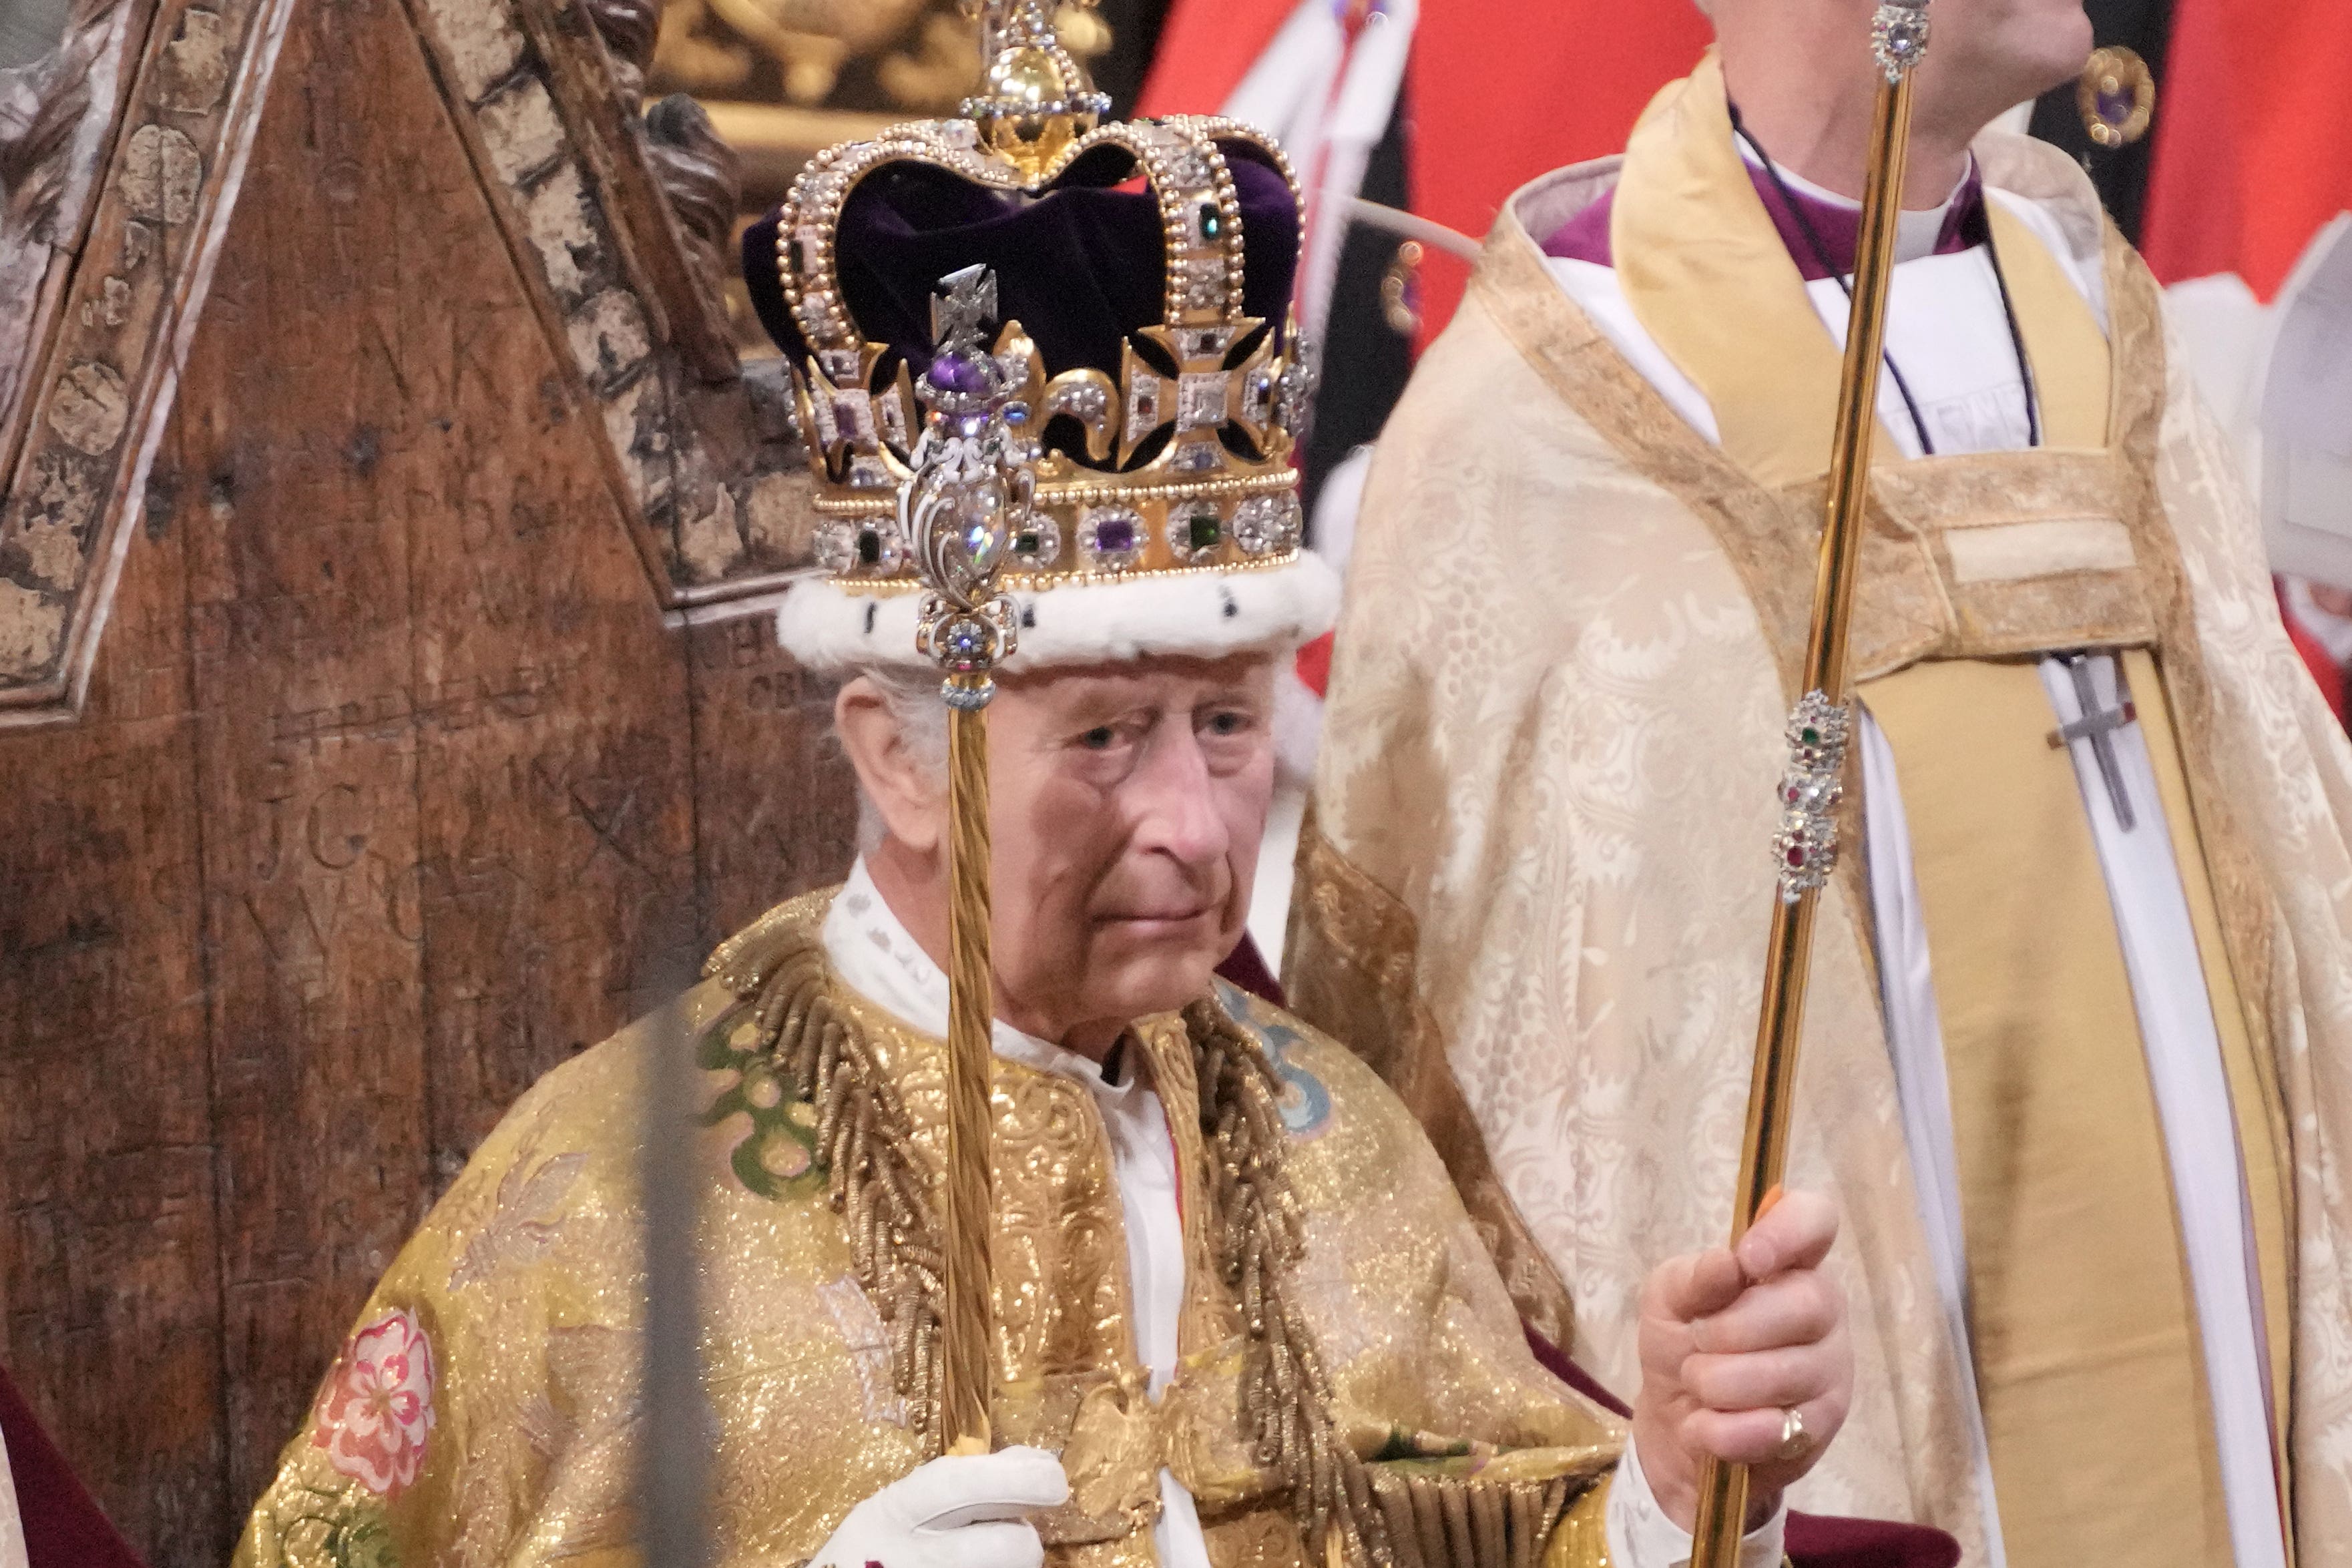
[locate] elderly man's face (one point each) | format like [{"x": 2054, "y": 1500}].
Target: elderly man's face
[
  {"x": 1130, "y": 801},
  {"x": 1127, "y": 802}
]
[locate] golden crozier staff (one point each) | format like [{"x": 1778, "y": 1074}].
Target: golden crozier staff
[
  {"x": 972, "y": 482},
  {"x": 1814, "y": 789}
]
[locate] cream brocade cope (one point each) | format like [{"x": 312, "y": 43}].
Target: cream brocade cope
[
  {"x": 522, "y": 1294},
  {"x": 1535, "y": 883}
]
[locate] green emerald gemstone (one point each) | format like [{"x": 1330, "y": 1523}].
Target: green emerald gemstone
[
  {"x": 1203, "y": 530},
  {"x": 1810, "y": 735},
  {"x": 869, "y": 547},
  {"x": 1025, "y": 543},
  {"x": 1213, "y": 221}
]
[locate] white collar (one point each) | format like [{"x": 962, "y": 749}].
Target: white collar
[
  {"x": 873, "y": 954},
  {"x": 1917, "y": 233}
]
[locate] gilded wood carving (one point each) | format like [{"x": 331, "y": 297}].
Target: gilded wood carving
[
  {"x": 120, "y": 156},
  {"x": 121, "y": 153}
]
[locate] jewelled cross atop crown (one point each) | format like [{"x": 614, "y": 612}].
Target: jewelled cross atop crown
[{"x": 1141, "y": 320}]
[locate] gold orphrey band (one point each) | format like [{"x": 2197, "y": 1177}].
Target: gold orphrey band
[{"x": 968, "y": 1310}]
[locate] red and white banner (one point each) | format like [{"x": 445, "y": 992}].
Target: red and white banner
[
  {"x": 2254, "y": 141},
  {"x": 1496, "y": 92}
]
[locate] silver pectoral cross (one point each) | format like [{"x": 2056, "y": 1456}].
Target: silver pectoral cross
[{"x": 2099, "y": 726}]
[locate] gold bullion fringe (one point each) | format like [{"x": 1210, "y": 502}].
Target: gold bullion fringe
[
  {"x": 882, "y": 1189},
  {"x": 864, "y": 1139},
  {"x": 1455, "y": 1521},
  {"x": 1260, "y": 1237}
]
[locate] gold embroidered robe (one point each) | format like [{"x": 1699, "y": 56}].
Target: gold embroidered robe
[
  {"x": 484, "y": 1410},
  {"x": 1535, "y": 882}
]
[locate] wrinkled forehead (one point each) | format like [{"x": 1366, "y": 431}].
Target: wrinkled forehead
[{"x": 1161, "y": 678}]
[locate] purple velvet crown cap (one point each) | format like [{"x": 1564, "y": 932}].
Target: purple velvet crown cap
[{"x": 1082, "y": 267}]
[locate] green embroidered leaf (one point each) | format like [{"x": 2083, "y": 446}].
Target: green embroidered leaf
[
  {"x": 365, "y": 1544},
  {"x": 778, "y": 1158}
]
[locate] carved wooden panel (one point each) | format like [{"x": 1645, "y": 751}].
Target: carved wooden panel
[
  {"x": 620, "y": 239},
  {"x": 101, "y": 275},
  {"x": 395, "y": 767},
  {"x": 717, "y": 496}
]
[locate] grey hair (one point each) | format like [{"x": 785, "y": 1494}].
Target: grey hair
[{"x": 910, "y": 695}]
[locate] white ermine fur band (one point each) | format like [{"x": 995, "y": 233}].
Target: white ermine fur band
[{"x": 1204, "y": 614}]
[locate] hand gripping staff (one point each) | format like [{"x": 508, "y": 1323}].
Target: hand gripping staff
[{"x": 1805, "y": 847}]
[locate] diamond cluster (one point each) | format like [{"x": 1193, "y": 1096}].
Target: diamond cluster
[
  {"x": 1180, "y": 455},
  {"x": 1268, "y": 525},
  {"x": 1805, "y": 849},
  {"x": 1899, "y": 36}
]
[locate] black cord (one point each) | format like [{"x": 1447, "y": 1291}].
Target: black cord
[
  {"x": 1822, "y": 260},
  {"x": 2016, "y": 341}
]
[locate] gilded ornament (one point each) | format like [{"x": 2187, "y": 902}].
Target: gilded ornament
[
  {"x": 1899, "y": 36},
  {"x": 1401, "y": 289},
  {"x": 1805, "y": 849},
  {"x": 2116, "y": 96},
  {"x": 1223, "y": 431}
]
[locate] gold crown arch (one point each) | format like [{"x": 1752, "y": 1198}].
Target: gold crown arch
[{"x": 1226, "y": 394}]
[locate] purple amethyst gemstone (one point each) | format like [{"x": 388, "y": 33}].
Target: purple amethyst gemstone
[
  {"x": 1115, "y": 535},
  {"x": 956, "y": 372},
  {"x": 2116, "y": 105}
]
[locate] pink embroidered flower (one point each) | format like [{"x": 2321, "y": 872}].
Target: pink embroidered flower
[{"x": 377, "y": 1406}]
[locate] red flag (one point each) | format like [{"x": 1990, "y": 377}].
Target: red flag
[
  {"x": 1205, "y": 47},
  {"x": 1503, "y": 90},
  {"x": 2251, "y": 156},
  {"x": 1499, "y": 91}
]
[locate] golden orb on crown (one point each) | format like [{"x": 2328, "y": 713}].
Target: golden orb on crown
[{"x": 1034, "y": 98}]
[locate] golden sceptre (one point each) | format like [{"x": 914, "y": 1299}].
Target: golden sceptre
[
  {"x": 973, "y": 477},
  {"x": 1805, "y": 848},
  {"x": 971, "y": 483}
]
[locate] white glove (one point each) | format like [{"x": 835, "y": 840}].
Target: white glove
[{"x": 960, "y": 1511}]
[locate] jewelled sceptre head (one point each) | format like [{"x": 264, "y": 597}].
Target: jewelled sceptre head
[
  {"x": 974, "y": 475},
  {"x": 1813, "y": 788}
]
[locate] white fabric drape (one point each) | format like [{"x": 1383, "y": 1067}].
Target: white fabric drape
[
  {"x": 12, "y": 1524},
  {"x": 1947, "y": 332},
  {"x": 1914, "y": 1038},
  {"x": 2192, "y": 1101},
  {"x": 1326, "y": 98}
]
